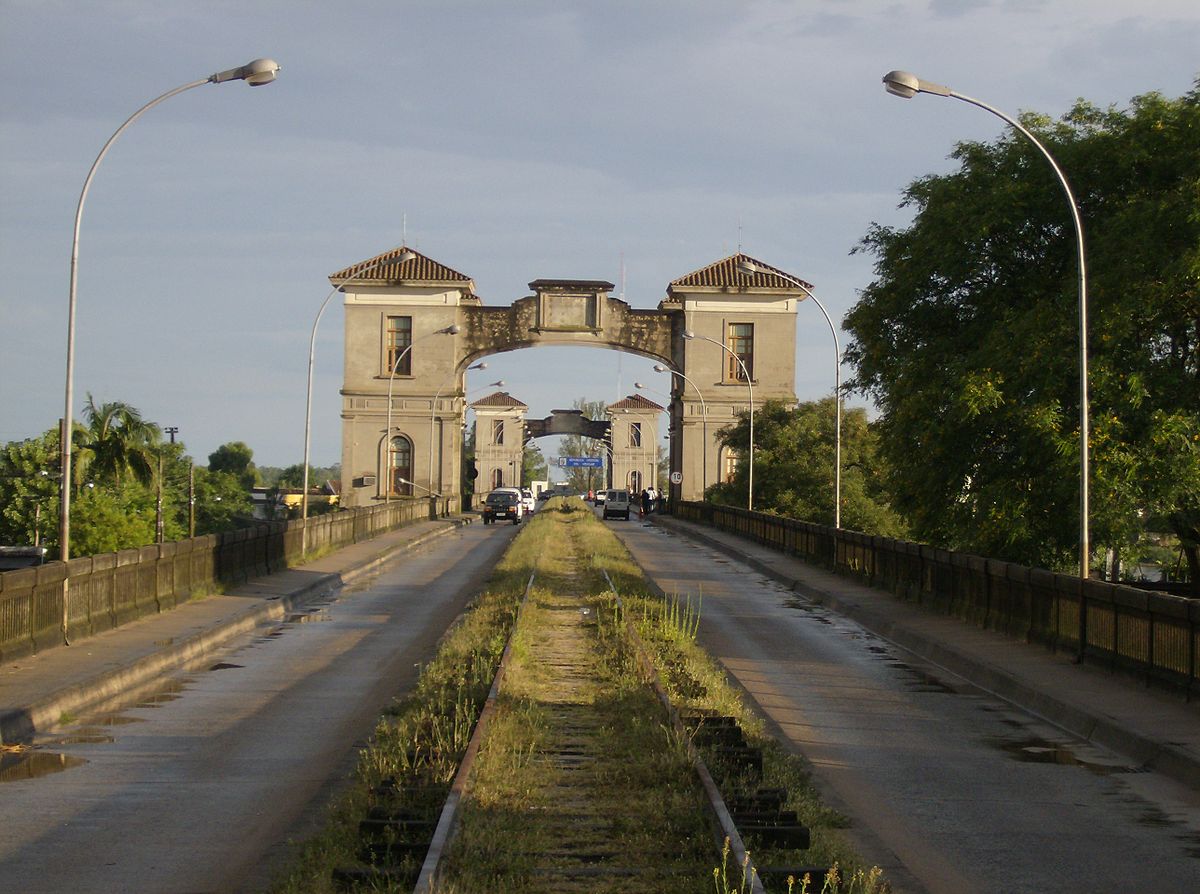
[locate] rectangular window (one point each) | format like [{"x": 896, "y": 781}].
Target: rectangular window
[
  {"x": 741, "y": 342},
  {"x": 497, "y": 431},
  {"x": 635, "y": 434},
  {"x": 399, "y": 337}
]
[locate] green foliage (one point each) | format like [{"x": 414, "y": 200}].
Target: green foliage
[
  {"x": 968, "y": 338},
  {"x": 794, "y": 453},
  {"x": 106, "y": 519},
  {"x": 116, "y": 444},
  {"x": 236, "y": 458},
  {"x": 533, "y": 466},
  {"x": 29, "y": 492}
]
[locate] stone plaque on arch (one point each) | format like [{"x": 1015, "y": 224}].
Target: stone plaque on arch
[{"x": 570, "y": 305}]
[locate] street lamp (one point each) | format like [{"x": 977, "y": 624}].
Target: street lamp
[
  {"x": 433, "y": 412},
  {"x": 452, "y": 329},
  {"x": 256, "y": 73},
  {"x": 660, "y": 368},
  {"x": 384, "y": 259},
  {"x": 749, "y": 268},
  {"x": 689, "y": 334},
  {"x": 907, "y": 85}
]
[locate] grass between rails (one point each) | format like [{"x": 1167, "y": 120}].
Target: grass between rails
[
  {"x": 518, "y": 808},
  {"x": 579, "y": 785}
]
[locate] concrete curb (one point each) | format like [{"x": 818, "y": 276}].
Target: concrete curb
[
  {"x": 20, "y": 724},
  {"x": 1172, "y": 762}
]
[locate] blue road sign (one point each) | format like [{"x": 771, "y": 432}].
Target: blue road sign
[{"x": 584, "y": 462}]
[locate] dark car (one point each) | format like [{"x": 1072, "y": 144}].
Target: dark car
[{"x": 502, "y": 504}]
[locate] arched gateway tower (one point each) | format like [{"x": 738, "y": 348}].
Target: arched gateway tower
[{"x": 413, "y": 326}]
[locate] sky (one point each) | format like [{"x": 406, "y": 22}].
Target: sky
[{"x": 627, "y": 141}]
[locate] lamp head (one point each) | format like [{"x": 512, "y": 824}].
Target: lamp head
[
  {"x": 659, "y": 368},
  {"x": 452, "y": 329},
  {"x": 256, "y": 73},
  {"x": 688, "y": 333},
  {"x": 638, "y": 385},
  {"x": 482, "y": 365},
  {"x": 906, "y": 85}
]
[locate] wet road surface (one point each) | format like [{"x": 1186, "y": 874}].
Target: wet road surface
[
  {"x": 198, "y": 786},
  {"x": 949, "y": 788}
]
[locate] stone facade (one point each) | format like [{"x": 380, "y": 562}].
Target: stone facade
[{"x": 404, "y": 298}]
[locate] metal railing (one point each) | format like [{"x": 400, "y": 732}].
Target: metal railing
[
  {"x": 111, "y": 589},
  {"x": 1155, "y": 636}
]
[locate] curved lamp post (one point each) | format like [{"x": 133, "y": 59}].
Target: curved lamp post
[
  {"x": 256, "y": 73},
  {"x": 750, "y": 488},
  {"x": 401, "y": 258},
  {"x": 452, "y": 329},
  {"x": 750, "y": 268},
  {"x": 433, "y": 412},
  {"x": 660, "y": 368},
  {"x": 907, "y": 85}
]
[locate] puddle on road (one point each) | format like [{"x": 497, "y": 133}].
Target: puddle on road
[
  {"x": 1041, "y": 751},
  {"x": 167, "y": 693},
  {"x": 22, "y": 764}
]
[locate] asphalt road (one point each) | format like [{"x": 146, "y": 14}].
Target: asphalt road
[
  {"x": 949, "y": 788},
  {"x": 199, "y": 785}
]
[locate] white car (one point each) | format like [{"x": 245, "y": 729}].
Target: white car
[{"x": 528, "y": 500}]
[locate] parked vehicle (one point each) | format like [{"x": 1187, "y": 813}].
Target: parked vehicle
[
  {"x": 598, "y": 498},
  {"x": 504, "y": 503},
  {"x": 616, "y": 502}
]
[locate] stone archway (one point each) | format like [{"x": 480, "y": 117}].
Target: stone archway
[{"x": 449, "y": 327}]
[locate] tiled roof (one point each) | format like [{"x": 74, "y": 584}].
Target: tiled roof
[
  {"x": 724, "y": 274},
  {"x": 387, "y": 269},
  {"x": 499, "y": 399},
  {"x": 636, "y": 402}
]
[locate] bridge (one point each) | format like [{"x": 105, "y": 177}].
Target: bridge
[
  {"x": 952, "y": 747},
  {"x": 414, "y": 325}
]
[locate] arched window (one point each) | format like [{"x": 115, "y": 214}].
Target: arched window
[
  {"x": 400, "y": 464},
  {"x": 497, "y": 478},
  {"x": 635, "y": 482}
]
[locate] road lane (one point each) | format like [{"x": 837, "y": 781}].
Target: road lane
[
  {"x": 197, "y": 787},
  {"x": 949, "y": 789}
]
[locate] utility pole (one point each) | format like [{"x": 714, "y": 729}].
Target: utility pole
[
  {"x": 192, "y": 499},
  {"x": 158, "y": 515}
]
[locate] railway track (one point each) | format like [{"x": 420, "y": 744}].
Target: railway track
[{"x": 580, "y": 773}]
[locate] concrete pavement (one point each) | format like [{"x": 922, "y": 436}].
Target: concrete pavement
[
  {"x": 1159, "y": 730},
  {"x": 38, "y": 690}
]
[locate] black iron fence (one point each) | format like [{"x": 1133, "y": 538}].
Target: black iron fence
[
  {"x": 91, "y": 594},
  {"x": 1153, "y": 635}
]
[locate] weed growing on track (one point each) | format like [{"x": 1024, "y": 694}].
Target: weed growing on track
[{"x": 420, "y": 739}]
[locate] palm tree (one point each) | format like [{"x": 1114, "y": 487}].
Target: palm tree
[{"x": 115, "y": 444}]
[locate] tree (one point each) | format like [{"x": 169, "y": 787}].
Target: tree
[
  {"x": 222, "y": 502},
  {"x": 967, "y": 339},
  {"x": 794, "y": 467},
  {"x": 29, "y": 491},
  {"x": 116, "y": 445},
  {"x": 582, "y": 480},
  {"x": 533, "y": 465},
  {"x": 236, "y": 458}
]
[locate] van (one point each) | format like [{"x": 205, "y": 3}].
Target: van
[{"x": 616, "y": 502}]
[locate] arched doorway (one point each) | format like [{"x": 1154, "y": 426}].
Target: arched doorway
[{"x": 400, "y": 463}]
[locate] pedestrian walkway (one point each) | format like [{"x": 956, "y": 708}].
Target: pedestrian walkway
[
  {"x": 36, "y": 691},
  {"x": 1159, "y": 730}
]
